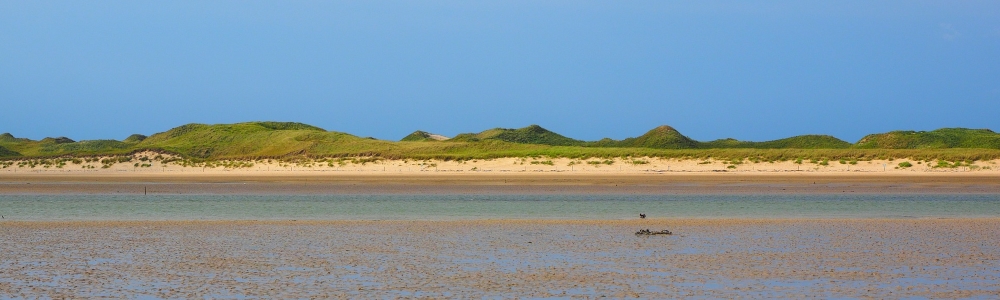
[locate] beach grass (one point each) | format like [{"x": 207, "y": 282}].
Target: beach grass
[{"x": 291, "y": 141}]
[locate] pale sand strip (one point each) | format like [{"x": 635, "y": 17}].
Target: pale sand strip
[
  {"x": 730, "y": 258},
  {"x": 501, "y": 176},
  {"x": 506, "y": 166}
]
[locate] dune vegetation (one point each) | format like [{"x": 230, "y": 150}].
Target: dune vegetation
[
  {"x": 290, "y": 141},
  {"x": 937, "y": 139},
  {"x": 4, "y": 152}
]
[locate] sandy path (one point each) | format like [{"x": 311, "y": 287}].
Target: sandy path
[{"x": 472, "y": 259}]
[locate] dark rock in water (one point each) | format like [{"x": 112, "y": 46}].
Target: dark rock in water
[{"x": 648, "y": 232}]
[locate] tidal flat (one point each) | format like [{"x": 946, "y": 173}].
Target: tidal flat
[{"x": 714, "y": 258}]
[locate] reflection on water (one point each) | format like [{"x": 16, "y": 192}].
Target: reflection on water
[
  {"x": 450, "y": 207},
  {"x": 705, "y": 259}
]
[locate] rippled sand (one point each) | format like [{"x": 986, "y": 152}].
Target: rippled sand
[{"x": 347, "y": 259}]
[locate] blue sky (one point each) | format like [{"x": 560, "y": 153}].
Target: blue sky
[{"x": 751, "y": 70}]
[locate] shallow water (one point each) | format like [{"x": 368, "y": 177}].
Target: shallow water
[
  {"x": 457, "y": 207},
  {"x": 707, "y": 259}
]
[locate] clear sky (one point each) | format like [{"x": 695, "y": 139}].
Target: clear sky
[{"x": 751, "y": 70}]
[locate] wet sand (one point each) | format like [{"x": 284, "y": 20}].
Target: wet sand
[
  {"x": 712, "y": 258},
  {"x": 503, "y": 184},
  {"x": 881, "y": 258}
]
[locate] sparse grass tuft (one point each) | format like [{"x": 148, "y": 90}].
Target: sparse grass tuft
[{"x": 544, "y": 162}]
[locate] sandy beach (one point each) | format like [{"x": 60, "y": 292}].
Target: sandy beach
[
  {"x": 497, "y": 176},
  {"x": 863, "y": 258},
  {"x": 150, "y": 163}
]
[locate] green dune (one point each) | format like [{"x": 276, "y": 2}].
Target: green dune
[
  {"x": 662, "y": 137},
  {"x": 795, "y": 142},
  {"x": 417, "y": 136},
  {"x": 533, "y": 134},
  {"x": 252, "y": 140},
  {"x": 937, "y": 139},
  {"x": 62, "y": 146},
  {"x": 422, "y": 136},
  {"x": 135, "y": 138}
]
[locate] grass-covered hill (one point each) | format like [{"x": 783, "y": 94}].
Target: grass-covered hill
[
  {"x": 135, "y": 138},
  {"x": 533, "y": 134},
  {"x": 795, "y": 142},
  {"x": 662, "y": 137},
  {"x": 253, "y": 140},
  {"x": 61, "y": 146},
  {"x": 9, "y": 138},
  {"x": 936, "y": 139},
  {"x": 423, "y": 136}
]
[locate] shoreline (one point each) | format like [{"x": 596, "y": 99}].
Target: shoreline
[
  {"x": 680, "y": 221},
  {"x": 555, "y": 183}
]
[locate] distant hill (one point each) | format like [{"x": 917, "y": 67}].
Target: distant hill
[
  {"x": 661, "y": 137},
  {"x": 251, "y": 139},
  {"x": 423, "y": 136},
  {"x": 58, "y": 140},
  {"x": 86, "y": 147},
  {"x": 666, "y": 137},
  {"x": 135, "y": 138},
  {"x": 9, "y": 138},
  {"x": 795, "y": 142},
  {"x": 937, "y": 139},
  {"x": 62, "y": 146},
  {"x": 288, "y": 139},
  {"x": 533, "y": 134},
  {"x": 244, "y": 139}
]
